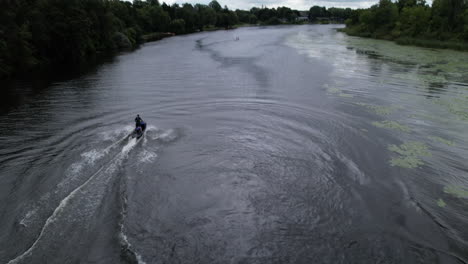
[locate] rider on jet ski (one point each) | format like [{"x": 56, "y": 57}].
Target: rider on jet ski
[{"x": 139, "y": 123}]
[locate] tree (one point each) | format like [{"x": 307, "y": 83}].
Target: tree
[
  {"x": 243, "y": 16},
  {"x": 161, "y": 20},
  {"x": 232, "y": 19},
  {"x": 316, "y": 12},
  {"x": 215, "y": 5},
  {"x": 287, "y": 14},
  {"x": 448, "y": 15},
  {"x": 414, "y": 21},
  {"x": 208, "y": 16},
  {"x": 189, "y": 15},
  {"x": 177, "y": 26},
  {"x": 153, "y": 2},
  {"x": 253, "y": 19},
  {"x": 465, "y": 25},
  {"x": 386, "y": 14}
]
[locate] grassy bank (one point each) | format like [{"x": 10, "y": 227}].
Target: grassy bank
[
  {"x": 455, "y": 45},
  {"x": 420, "y": 42},
  {"x": 442, "y": 24}
]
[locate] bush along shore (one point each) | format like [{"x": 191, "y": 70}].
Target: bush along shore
[{"x": 444, "y": 24}]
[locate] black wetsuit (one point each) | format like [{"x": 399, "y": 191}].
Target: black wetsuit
[{"x": 138, "y": 121}]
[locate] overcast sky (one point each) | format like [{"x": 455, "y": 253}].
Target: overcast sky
[{"x": 294, "y": 4}]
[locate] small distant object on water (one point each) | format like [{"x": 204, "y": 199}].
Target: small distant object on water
[
  {"x": 237, "y": 38},
  {"x": 140, "y": 127}
]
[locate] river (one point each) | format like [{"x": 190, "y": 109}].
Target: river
[{"x": 292, "y": 144}]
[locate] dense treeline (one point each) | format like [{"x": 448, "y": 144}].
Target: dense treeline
[
  {"x": 44, "y": 34},
  {"x": 58, "y": 34},
  {"x": 319, "y": 14},
  {"x": 442, "y": 25}
]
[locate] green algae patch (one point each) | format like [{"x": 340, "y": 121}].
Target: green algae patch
[
  {"x": 438, "y": 64},
  {"x": 441, "y": 203},
  {"x": 337, "y": 91},
  {"x": 411, "y": 148},
  {"x": 410, "y": 153},
  {"x": 378, "y": 109},
  {"x": 392, "y": 125},
  {"x": 333, "y": 90},
  {"x": 407, "y": 162},
  {"x": 428, "y": 117},
  {"x": 456, "y": 191},
  {"x": 424, "y": 78},
  {"x": 456, "y": 106},
  {"x": 441, "y": 140},
  {"x": 345, "y": 95},
  {"x": 423, "y": 66}
]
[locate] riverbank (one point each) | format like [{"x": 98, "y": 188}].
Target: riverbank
[
  {"x": 156, "y": 36},
  {"x": 420, "y": 42}
]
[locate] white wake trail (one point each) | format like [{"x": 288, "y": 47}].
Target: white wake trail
[
  {"x": 89, "y": 158},
  {"x": 113, "y": 165}
]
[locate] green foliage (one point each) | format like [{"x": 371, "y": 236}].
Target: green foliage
[
  {"x": 287, "y": 14},
  {"x": 215, "y": 5},
  {"x": 273, "y": 21},
  {"x": 465, "y": 25},
  {"x": 444, "y": 25},
  {"x": 316, "y": 12},
  {"x": 415, "y": 20},
  {"x": 153, "y": 19},
  {"x": 272, "y": 16},
  {"x": 322, "y": 14},
  {"x": 386, "y": 14},
  {"x": 207, "y": 15},
  {"x": 177, "y": 26},
  {"x": 226, "y": 19}
]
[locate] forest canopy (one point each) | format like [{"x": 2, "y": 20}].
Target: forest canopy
[{"x": 444, "y": 24}]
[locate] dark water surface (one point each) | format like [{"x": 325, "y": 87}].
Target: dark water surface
[{"x": 291, "y": 145}]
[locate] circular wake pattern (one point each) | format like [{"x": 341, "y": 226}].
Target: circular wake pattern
[{"x": 291, "y": 145}]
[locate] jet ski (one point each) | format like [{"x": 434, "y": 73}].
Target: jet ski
[{"x": 139, "y": 131}]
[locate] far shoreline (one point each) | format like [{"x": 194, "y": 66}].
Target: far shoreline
[{"x": 415, "y": 42}]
